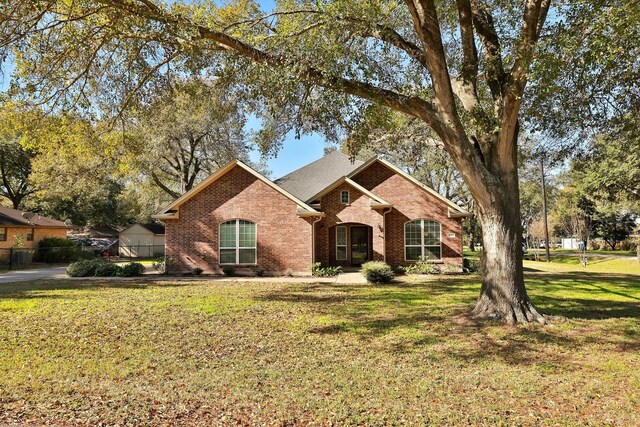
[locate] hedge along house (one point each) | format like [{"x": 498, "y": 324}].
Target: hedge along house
[
  {"x": 332, "y": 211},
  {"x": 25, "y": 229},
  {"x": 142, "y": 240}
]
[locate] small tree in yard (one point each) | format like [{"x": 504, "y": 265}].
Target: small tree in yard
[
  {"x": 614, "y": 227},
  {"x": 460, "y": 68}
]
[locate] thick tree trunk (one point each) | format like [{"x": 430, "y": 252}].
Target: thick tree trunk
[{"x": 503, "y": 295}]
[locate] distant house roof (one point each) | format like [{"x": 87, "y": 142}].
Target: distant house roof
[
  {"x": 15, "y": 218},
  {"x": 311, "y": 179},
  {"x": 154, "y": 227},
  {"x": 102, "y": 232}
]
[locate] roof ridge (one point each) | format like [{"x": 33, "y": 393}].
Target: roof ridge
[{"x": 315, "y": 161}]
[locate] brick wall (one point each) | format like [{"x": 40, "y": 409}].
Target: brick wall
[
  {"x": 39, "y": 234},
  {"x": 283, "y": 239},
  {"x": 410, "y": 203}
]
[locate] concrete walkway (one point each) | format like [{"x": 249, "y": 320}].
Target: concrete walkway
[
  {"x": 48, "y": 273},
  {"x": 353, "y": 277},
  {"x": 33, "y": 274}
]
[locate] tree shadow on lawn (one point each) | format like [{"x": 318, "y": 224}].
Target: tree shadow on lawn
[
  {"x": 598, "y": 296},
  {"x": 435, "y": 312}
]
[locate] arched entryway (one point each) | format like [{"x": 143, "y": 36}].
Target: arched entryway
[{"x": 350, "y": 244}]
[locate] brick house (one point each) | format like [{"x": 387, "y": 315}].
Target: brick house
[
  {"x": 332, "y": 211},
  {"x": 27, "y": 229}
]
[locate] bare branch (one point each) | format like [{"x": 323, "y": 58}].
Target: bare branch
[{"x": 254, "y": 21}]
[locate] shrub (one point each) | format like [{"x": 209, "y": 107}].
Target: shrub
[
  {"x": 197, "y": 271},
  {"x": 319, "y": 271},
  {"x": 377, "y": 272},
  {"x": 627, "y": 245},
  {"x": 259, "y": 271},
  {"x": 471, "y": 264},
  {"x": 83, "y": 268},
  {"x": 228, "y": 271},
  {"x": 132, "y": 269},
  {"x": 82, "y": 254},
  {"x": 55, "y": 249},
  {"x": 422, "y": 267},
  {"x": 55, "y": 242},
  {"x": 107, "y": 269}
]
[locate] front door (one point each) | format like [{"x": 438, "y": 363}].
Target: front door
[{"x": 359, "y": 245}]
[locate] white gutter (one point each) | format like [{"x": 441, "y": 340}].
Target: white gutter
[
  {"x": 313, "y": 239},
  {"x": 384, "y": 233}
]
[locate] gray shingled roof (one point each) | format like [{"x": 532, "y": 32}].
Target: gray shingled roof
[{"x": 311, "y": 179}]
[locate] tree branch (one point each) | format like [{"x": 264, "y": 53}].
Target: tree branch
[
  {"x": 496, "y": 77},
  {"x": 411, "y": 105},
  {"x": 164, "y": 188}
]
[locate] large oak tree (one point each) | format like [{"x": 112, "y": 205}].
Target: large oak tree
[{"x": 460, "y": 67}]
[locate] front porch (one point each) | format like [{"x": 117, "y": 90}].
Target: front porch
[{"x": 348, "y": 245}]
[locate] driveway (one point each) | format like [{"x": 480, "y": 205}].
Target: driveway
[{"x": 33, "y": 274}]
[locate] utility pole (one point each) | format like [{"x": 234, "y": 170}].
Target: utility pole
[{"x": 544, "y": 208}]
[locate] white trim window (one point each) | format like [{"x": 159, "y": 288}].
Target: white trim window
[
  {"x": 344, "y": 197},
  {"x": 237, "y": 242},
  {"x": 341, "y": 243},
  {"x": 422, "y": 240}
]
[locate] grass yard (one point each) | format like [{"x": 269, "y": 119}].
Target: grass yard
[{"x": 219, "y": 353}]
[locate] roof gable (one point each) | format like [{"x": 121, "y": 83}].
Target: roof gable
[
  {"x": 313, "y": 178},
  {"x": 454, "y": 209},
  {"x": 376, "y": 201},
  {"x": 169, "y": 212}
]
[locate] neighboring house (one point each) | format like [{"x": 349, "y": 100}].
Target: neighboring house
[
  {"x": 142, "y": 240},
  {"x": 331, "y": 211},
  {"x": 26, "y": 229}
]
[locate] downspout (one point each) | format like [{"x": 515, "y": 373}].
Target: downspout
[
  {"x": 313, "y": 239},
  {"x": 384, "y": 233}
]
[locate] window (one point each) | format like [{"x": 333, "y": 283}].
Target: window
[
  {"x": 341, "y": 243},
  {"x": 30, "y": 235},
  {"x": 237, "y": 242},
  {"x": 422, "y": 240},
  {"x": 3, "y": 234},
  {"x": 344, "y": 197}
]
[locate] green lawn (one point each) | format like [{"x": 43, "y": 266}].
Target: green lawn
[
  {"x": 220, "y": 353},
  {"x": 595, "y": 252}
]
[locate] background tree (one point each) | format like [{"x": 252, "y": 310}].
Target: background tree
[
  {"x": 15, "y": 169},
  {"x": 186, "y": 133},
  {"x": 609, "y": 167},
  {"x": 573, "y": 214},
  {"x": 613, "y": 226},
  {"x": 74, "y": 170},
  {"x": 15, "y": 160}
]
